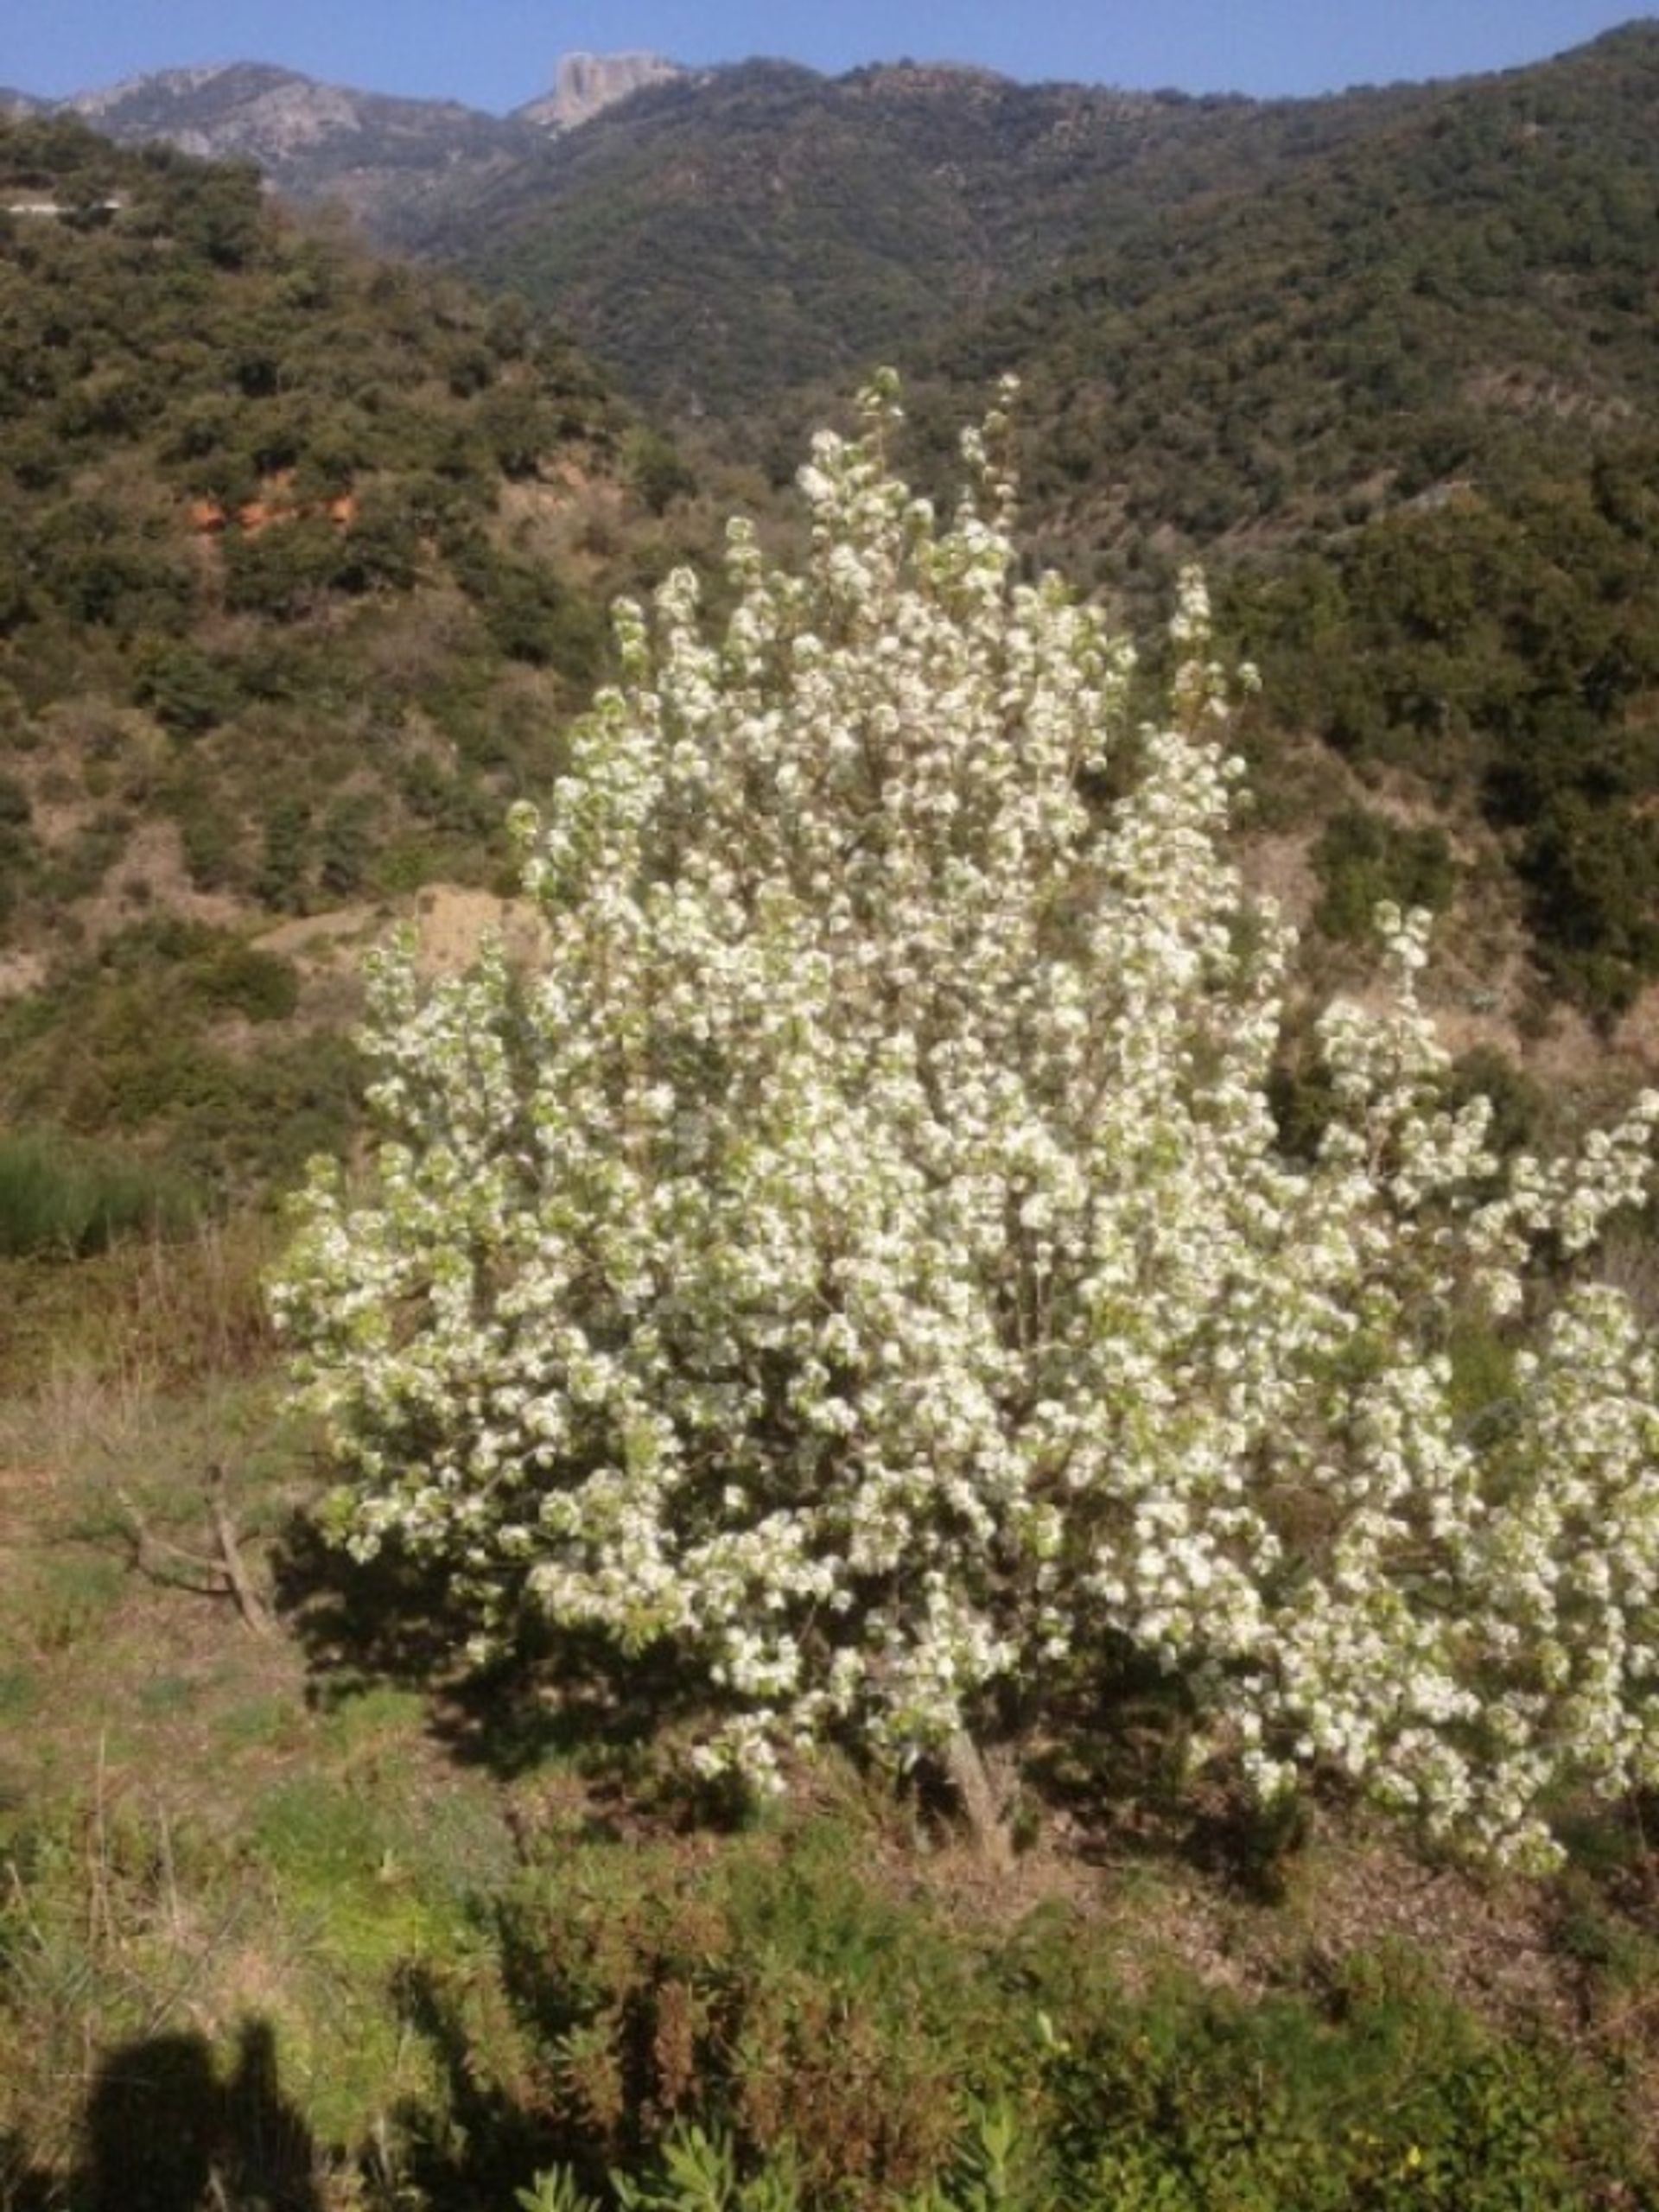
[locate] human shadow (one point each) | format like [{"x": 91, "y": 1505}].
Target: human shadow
[
  {"x": 24, "y": 2187},
  {"x": 165, "y": 2131}
]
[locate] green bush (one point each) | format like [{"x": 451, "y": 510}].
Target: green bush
[
  {"x": 56, "y": 1198},
  {"x": 768, "y": 2029},
  {"x": 188, "y": 691},
  {"x": 1363, "y": 859},
  {"x": 19, "y": 850},
  {"x": 236, "y": 978},
  {"x": 779, "y": 1998}
]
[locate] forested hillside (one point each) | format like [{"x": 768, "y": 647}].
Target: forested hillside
[
  {"x": 1386, "y": 361},
  {"x": 1466, "y": 278},
  {"x": 724, "y": 241},
  {"x": 302, "y": 559},
  {"x": 305, "y": 556},
  {"x": 1400, "y": 397}
]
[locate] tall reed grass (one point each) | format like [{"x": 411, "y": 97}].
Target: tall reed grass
[{"x": 70, "y": 1200}]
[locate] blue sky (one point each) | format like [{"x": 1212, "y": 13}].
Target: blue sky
[{"x": 495, "y": 54}]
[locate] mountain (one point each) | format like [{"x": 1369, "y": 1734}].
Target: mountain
[
  {"x": 1362, "y": 323},
  {"x": 730, "y": 241},
  {"x": 384, "y": 157},
  {"x": 725, "y": 236},
  {"x": 725, "y": 239},
  {"x": 1399, "y": 397},
  {"x": 1385, "y": 361},
  {"x": 587, "y": 84},
  {"x": 313, "y": 141}
]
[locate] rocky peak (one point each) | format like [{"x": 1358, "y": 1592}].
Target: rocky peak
[
  {"x": 239, "y": 108},
  {"x": 588, "y": 83},
  {"x": 376, "y": 153},
  {"x": 158, "y": 86}
]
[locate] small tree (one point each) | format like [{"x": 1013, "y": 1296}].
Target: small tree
[{"x": 860, "y": 1257}]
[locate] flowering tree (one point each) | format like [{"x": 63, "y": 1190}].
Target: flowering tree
[{"x": 861, "y": 1255}]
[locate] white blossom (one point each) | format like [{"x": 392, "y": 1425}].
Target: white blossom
[{"x": 861, "y": 1255}]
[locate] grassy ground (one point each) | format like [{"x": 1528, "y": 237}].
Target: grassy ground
[
  {"x": 292, "y": 1915},
  {"x": 200, "y": 1835}
]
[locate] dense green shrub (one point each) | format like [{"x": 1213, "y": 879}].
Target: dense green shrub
[
  {"x": 773, "y": 2019},
  {"x": 65, "y": 1199},
  {"x": 188, "y": 691},
  {"x": 1363, "y": 861},
  {"x": 236, "y": 978},
  {"x": 18, "y": 849}
]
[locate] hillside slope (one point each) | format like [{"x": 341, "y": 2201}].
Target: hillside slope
[
  {"x": 303, "y": 562},
  {"x": 723, "y": 241},
  {"x": 1368, "y": 322},
  {"x": 1405, "y": 397}
]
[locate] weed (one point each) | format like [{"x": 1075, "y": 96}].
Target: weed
[
  {"x": 73, "y": 1595},
  {"x": 156, "y": 1315},
  {"x": 20, "y": 1690},
  {"x": 167, "y": 1694}
]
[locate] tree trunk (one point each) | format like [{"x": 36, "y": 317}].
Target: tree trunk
[{"x": 983, "y": 1805}]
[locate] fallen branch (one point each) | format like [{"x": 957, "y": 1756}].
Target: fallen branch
[{"x": 249, "y": 1604}]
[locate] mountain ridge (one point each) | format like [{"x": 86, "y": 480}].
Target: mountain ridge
[
  {"x": 381, "y": 155},
  {"x": 313, "y": 140}
]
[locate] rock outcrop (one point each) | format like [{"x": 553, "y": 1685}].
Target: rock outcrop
[
  {"x": 588, "y": 82},
  {"x": 380, "y": 155}
]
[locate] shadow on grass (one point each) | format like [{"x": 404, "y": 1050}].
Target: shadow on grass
[
  {"x": 488, "y": 2142},
  {"x": 552, "y": 1696},
  {"x": 164, "y": 2130},
  {"x": 1105, "y": 1756},
  {"x": 24, "y": 2187}
]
